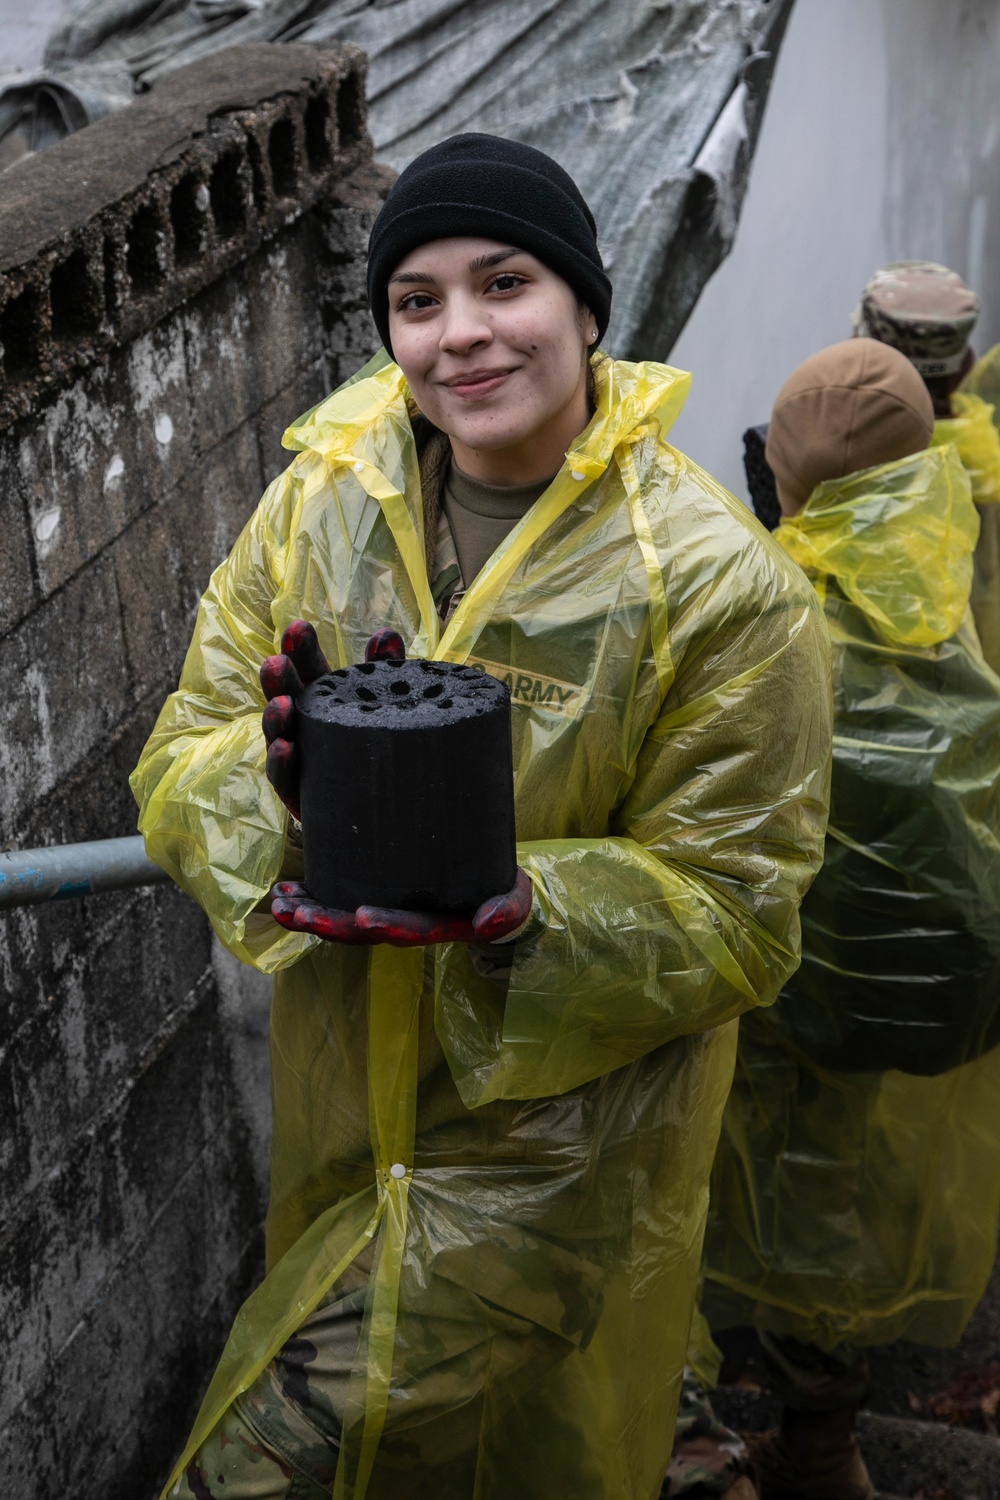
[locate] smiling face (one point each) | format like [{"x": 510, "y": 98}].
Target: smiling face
[{"x": 494, "y": 347}]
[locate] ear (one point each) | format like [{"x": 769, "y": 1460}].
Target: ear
[{"x": 588, "y": 325}]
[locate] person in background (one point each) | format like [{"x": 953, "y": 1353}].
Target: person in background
[
  {"x": 856, "y": 1188},
  {"x": 929, "y": 314}
]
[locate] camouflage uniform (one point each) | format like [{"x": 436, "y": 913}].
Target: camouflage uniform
[
  {"x": 280, "y": 1440},
  {"x": 708, "y": 1457}
]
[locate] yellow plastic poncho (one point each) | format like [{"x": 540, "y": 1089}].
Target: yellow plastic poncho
[
  {"x": 669, "y": 671},
  {"x": 972, "y": 429},
  {"x": 853, "y": 1202}
]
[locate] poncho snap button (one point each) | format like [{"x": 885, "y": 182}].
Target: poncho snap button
[
  {"x": 578, "y": 474},
  {"x": 397, "y": 1170},
  {"x": 359, "y": 467}
]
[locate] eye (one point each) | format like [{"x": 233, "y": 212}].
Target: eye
[
  {"x": 416, "y": 302},
  {"x": 507, "y": 281}
]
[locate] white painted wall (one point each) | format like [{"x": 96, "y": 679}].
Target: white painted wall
[{"x": 881, "y": 142}]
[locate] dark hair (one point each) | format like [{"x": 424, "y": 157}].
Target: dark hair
[{"x": 594, "y": 362}]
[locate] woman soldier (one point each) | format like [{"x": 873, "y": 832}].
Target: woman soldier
[{"x": 490, "y": 1159}]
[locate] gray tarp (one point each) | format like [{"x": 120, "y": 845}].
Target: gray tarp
[{"x": 652, "y": 106}]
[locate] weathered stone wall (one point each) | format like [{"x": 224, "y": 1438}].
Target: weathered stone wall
[{"x": 174, "y": 288}]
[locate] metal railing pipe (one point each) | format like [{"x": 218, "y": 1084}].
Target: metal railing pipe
[{"x": 30, "y": 876}]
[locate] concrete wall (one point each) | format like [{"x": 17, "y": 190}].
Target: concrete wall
[
  {"x": 881, "y": 141},
  {"x": 173, "y": 291}
]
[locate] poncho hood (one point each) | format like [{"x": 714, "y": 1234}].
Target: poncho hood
[
  {"x": 898, "y": 541},
  {"x": 974, "y": 434}
]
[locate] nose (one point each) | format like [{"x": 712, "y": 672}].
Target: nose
[{"x": 466, "y": 325}]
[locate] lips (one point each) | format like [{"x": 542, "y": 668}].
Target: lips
[{"x": 472, "y": 383}]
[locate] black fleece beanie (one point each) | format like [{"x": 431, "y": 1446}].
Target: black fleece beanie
[{"x": 498, "y": 189}]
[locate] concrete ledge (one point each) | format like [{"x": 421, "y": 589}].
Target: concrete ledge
[
  {"x": 103, "y": 234},
  {"x": 904, "y": 1457}
]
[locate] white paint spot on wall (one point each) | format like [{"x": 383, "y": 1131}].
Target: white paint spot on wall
[
  {"x": 201, "y": 197},
  {"x": 114, "y": 471},
  {"x": 163, "y": 429},
  {"x": 46, "y": 524},
  {"x": 72, "y": 439},
  {"x": 156, "y": 363},
  {"x": 39, "y": 766}
]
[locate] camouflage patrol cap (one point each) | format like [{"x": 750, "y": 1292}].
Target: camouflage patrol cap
[{"x": 922, "y": 309}]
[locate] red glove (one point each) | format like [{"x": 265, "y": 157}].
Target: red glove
[
  {"x": 497, "y": 918},
  {"x": 283, "y": 678}
]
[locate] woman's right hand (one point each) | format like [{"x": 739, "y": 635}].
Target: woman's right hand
[{"x": 283, "y": 678}]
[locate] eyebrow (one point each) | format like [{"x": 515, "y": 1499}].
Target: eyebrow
[{"x": 481, "y": 263}]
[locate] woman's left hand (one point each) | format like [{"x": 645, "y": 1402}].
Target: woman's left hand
[{"x": 497, "y": 918}]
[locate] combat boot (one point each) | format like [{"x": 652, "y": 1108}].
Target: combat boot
[{"x": 813, "y": 1455}]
